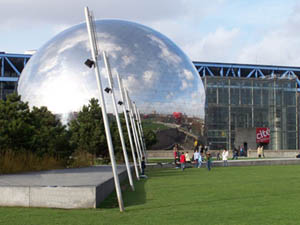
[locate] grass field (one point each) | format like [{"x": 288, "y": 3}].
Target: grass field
[{"x": 233, "y": 195}]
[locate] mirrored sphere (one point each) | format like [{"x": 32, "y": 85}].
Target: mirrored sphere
[{"x": 160, "y": 78}]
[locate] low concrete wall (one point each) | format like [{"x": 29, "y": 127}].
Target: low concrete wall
[
  {"x": 14, "y": 196},
  {"x": 62, "y": 197},
  {"x": 161, "y": 154},
  {"x": 275, "y": 154},
  {"x": 255, "y": 162},
  {"x": 104, "y": 189}
]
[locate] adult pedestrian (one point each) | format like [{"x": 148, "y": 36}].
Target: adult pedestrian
[
  {"x": 175, "y": 149},
  {"x": 195, "y": 144},
  {"x": 200, "y": 160},
  {"x": 241, "y": 151},
  {"x": 234, "y": 153},
  {"x": 260, "y": 151},
  {"x": 225, "y": 157},
  {"x": 187, "y": 158},
  {"x": 196, "y": 158}
]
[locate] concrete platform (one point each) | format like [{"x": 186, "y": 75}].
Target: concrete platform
[{"x": 67, "y": 188}]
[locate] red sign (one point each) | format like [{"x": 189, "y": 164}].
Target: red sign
[{"x": 262, "y": 135}]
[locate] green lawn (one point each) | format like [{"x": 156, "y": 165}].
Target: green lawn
[
  {"x": 149, "y": 125},
  {"x": 233, "y": 195}
]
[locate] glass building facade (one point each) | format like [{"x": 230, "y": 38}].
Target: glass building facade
[{"x": 236, "y": 103}]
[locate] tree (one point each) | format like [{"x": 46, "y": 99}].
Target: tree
[
  {"x": 150, "y": 138},
  {"x": 15, "y": 128},
  {"x": 87, "y": 130},
  {"x": 37, "y": 130},
  {"x": 50, "y": 136}
]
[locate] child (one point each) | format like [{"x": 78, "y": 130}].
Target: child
[
  {"x": 143, "y": 166},
  {"x": 208, "y": 160},
  {"x": 182, "y": 161}
]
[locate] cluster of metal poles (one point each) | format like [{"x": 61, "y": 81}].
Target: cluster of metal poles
[{"x": 131, "y": 114}]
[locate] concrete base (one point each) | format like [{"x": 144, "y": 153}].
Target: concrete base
[{"x": 69, "y": 188}]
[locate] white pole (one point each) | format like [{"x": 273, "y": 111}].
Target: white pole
[
  {"x": 102, "y": 102},
  {"x": 128, "y": 126},
  {"x": 143, "y": 137},
  {"x": 108, "y": 70},
  {"x": 136, "y": 140},
  {"x": 139, "y": 128},
  {"x": 136, "y": 129}
]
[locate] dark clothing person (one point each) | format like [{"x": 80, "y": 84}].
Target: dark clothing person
[
  {"x": 143, "y": 166},
  {"x": 235, "y": 154},
  {"x": 208, "y": 161}
]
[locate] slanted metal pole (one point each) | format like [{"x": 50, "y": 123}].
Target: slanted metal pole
[
  {"x": 143, "y": 137},
  {"x": 128, "y": 126},
  {"x": 111, "y": 84},
  {"x": 136, "y": 140},
  {"x": 93, "y": 44},
  {"x": 139, "y": 128}
]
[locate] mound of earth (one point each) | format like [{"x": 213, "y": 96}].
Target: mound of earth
[{"x": 167, "y": 138}]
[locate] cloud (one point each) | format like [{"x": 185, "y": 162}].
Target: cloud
[
  {"x": 215, "y": 46},
  {"x": 280, "y": 46},
  {"x": 71, "y": 12},
  {"x": 149, "y": 77}
]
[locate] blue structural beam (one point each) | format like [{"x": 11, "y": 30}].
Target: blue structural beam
[
  {"x": 12, "y": 62},
  {"x": 8, "y": 62},
  {"x": 248, "y": 71}
]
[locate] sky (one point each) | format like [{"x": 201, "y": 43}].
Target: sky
[{"x": 231, "y": 31}]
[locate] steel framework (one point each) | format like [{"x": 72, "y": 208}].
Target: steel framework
[
  {"x": 16, "y": 62},
  {"x": 248, "y": 71},
  {"x": 11, "y": 66}
]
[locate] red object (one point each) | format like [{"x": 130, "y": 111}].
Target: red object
[
  {"x": 262, "y": 135},
  {"x": 182, "y": 158},
  {"x": 177, "y": 115}
]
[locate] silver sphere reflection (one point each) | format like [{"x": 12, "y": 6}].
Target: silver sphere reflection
[{"x": 159, "y": 76}]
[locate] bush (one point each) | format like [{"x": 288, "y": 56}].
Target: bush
[{"x": 15, "y": 162}]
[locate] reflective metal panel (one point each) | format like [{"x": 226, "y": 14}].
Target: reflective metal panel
[{"x": 159, "y": 76}]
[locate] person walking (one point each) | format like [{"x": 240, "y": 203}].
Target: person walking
[
  {"x": 175, "y": 153},
  {"x": 234, "y": 153},
  {"x": 182, "y": 161},
  {"x": 195, "y": 144},
  {"x": 200, "y": 160},
  {"x": 260, "y": 151},
  {"x": 143, "y": 166},
  {"x": 218, "y": 155},
  {"x": 208, "y": 160},
  {"x": 225, "y": 157},
  {"x": 187, "y": 158},
  {"x": 196, "y": 158},
  {"x": 241, "y": 151}
]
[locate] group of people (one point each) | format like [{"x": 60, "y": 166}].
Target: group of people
[
  {"x": 197, "y": 158},
  {"x": 200, "y": 154}
]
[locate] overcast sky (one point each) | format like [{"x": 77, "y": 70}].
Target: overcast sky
[{"x": 232, "y": 31}]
